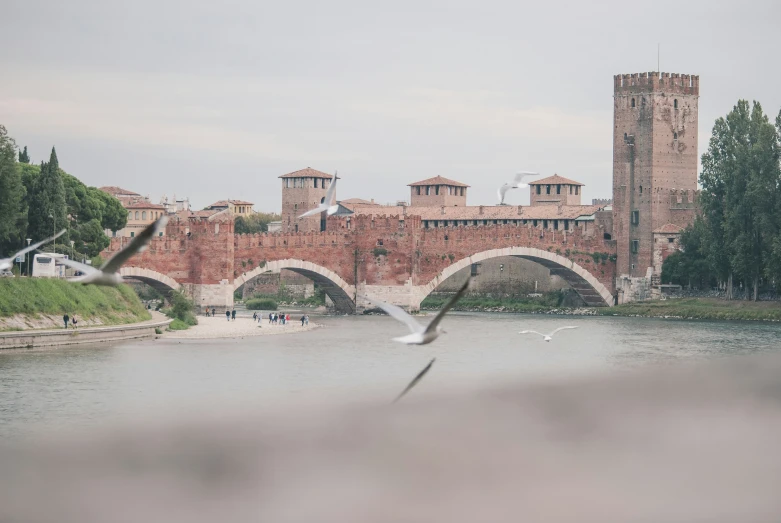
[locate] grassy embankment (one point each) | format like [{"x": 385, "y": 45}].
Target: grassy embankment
[
  {"x": 699, "y": 308},
  {"x": 546, "y": 302},
  {"x": 36, "y": 298}
]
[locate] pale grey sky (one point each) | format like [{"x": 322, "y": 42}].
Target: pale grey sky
[{"x": 214, "y": 100}]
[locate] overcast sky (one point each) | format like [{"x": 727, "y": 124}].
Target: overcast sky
[{"x": 214, "y": 100}]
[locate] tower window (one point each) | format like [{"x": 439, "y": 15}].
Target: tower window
[
  {"x": 625, "y": 138},
  {"x": 547, "y": 189},
  {"x": 635, "y": 246},
  {"x": 635, "y": 217},
  {"x": 315, "y": 183},
  {"x": 675, "y": 136},
  {"x": 436, "y": 190},
  {"x": 642, "y": 102},
  {"x": 417, "y": 190},
  {"x": 558, "y": 189},
  {"x": 428, "y": 190},
  {"x": 577, "y": 190},
  {"x": 675, "y": 103},
  {"x": 539, "y": 187},
  {"x": 641, "y": 189},
  {"x": 633, "y": 102}
]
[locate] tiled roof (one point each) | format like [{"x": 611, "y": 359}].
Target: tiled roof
[
  {"x": 554, "y": 180},
  {"x": 669, "y": 228},
  {"x": 438, "y": 180},
  {"x": 490, "y": 212},
  {"x": 225, "y": 203},
  {"x": 307, "y": 173},
  {"x": 142, "y": 204},
  {"x": 357, "y": 201},
  {"x": 114, "y": 191}
]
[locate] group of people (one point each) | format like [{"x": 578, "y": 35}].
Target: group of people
[
  {"x": 274, "y": 318},
  {"x": 278, "y": 317},
  {"x": 74, "y": 322}
]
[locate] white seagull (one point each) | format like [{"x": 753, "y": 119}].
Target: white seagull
[
  {"x": 420, "y": 335},
  {"x": 107, "y": 274},
  {"x": 7, "y": 263},
  {"x": 547, "y": 337},
  {"x": 328, "y": 205},
  {"x": 515, "y": 184},
  {"x": 415, "y": 380}
]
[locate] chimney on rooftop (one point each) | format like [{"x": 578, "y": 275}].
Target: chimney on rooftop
[
  {"x": 481, "y": 209},
  {"x": 520, "y": 210}
]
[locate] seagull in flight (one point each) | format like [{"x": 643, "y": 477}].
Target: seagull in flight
[
  {"x": 328, "y": 205},
  {"x": 515, "y": 184},
  {"x": 420, "y": 335},
  {"x": 547, "y": 337},
  {"x": 7, "y": 263},
  {"x": 415, "y": 380},
  {"x": 108, "y": 274}
]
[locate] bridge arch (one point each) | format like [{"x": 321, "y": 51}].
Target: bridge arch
[
  {"x": 340, "y": 292},
  {"x": 593, "y": 292},
  {"x": 160, "y": 282}
]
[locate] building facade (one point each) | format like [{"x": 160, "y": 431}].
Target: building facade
[
  {"x": 301, "y": 191},
  {"x": 140, "y": 211},
  {"x": 555, "y": 190},
  {"x": 437, "y": 191},
  {"x": 655, "y": 119}
]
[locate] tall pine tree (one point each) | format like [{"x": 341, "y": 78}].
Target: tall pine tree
[
  {"x": 47, "y": 211},
  {"x": 23, "y": 156},
  {"x": 13, "y": 211}
]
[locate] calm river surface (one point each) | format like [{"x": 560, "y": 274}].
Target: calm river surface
[{"x": 73, "y": 388}]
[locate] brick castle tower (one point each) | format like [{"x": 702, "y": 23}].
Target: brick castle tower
[
  {"x": 654, "y": 157},
  {"x": 303, "y": 190}
]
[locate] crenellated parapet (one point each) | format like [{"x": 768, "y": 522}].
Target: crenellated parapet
[{"x": 673, "y": 83}]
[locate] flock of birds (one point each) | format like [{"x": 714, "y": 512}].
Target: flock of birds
[{"x": 108, "y": 273}]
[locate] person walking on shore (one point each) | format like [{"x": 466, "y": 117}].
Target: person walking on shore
[
  {"x": 74, "y": 322},
  {"x": 66, "y": 318},
  {"x": 228, "y": 314},
  {"x": 233, "y": 314},
  {"x": 214, "y": 312},
  {"x": 303, "y": 319}
]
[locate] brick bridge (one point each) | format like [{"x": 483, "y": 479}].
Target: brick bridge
[{"x": 396, "y": 260}]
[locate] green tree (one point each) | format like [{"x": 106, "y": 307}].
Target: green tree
[
  {"x": 254, "y": 223},
  {"x": 23, "y": 156},
  {"x": 47, "y": 208},
  {"x": 13, "y": 209}
]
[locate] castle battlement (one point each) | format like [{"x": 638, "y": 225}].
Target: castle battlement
[{"x": 673, "y": 83}]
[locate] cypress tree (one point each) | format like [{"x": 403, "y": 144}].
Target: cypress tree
[
  {"x": 13, "y": 215},
  {"x": 48, "y": 199},
  {"x": 23, "y": 156}
]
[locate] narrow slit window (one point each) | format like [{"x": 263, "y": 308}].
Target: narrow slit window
[
  {"x": 633, "y": 102},
  {"x": 635, "y": 217},
  {"x": 635, "y": 246},
  {"x": 675, "y": 103}
]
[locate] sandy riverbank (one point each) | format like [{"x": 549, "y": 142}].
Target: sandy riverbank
[{"x": 219, "y": 327}]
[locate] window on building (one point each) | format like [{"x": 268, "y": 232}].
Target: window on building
[
  {"x": 428, "y": 190},
  {"x": 577, "y": 190},
  {"x": 558, "y": 189},
  {"x": 566, "y": 225},
  {"x": 449, "y": 190},
  {"x": 670, "y": 240},
  {"x": 436, "y": 190},
  {"x": 446, "y": 238},
  {"x": 417, "y": 190},
  {"x": 675, "y": 103},
  {"x": 136, "y": 215},
  {"x": 642, "y": 101},
  {"x": 132, "y": 234},
  {"x": 547, "y": 189},
  {"x": 160, "y": 234},
  {"x": 534, "y": 223},
  {"x": 635, "y": 246},
  {"x": 296, "y": 228},
  {"x": 635, "y": 217},
  {"x": 544, "y": 224},
  {"x": 625, "y": 138},
  {"x": 539, "y": 187},
  {"x": 570, "y": 189},
  {"x": 633, "y": 102},
  {"x": 641, "y": 189},
  {"x": 555, "y": 225},
  {"x": 315, "y": 183},
  {"x": 675, "y": 136},
  {"x": 295, "y": 206},
  {"x": 474, "y": 269}
]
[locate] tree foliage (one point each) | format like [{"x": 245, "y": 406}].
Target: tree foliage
[
  {"x": 254, "y": 223},
  {"x": 13, "y": 209},
  {"x": 739, "y": 236},
  {"x": 23, "y": 156},
  {"x": 46, "y": 190}
]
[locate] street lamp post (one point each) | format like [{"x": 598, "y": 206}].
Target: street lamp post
[
  {"x": 72, "y": 242},
  {"x": 28, "y": 257}
]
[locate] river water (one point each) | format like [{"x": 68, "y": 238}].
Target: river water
[{"x": 350, "y": 357}]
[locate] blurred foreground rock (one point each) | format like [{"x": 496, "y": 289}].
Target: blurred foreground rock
[{"x": 665, "y": 445}]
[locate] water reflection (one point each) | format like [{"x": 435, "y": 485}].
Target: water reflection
[{"x": 73, "y": 387}]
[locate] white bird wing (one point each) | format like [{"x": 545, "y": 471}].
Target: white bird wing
[
  {"x": 431, "y": 327},
  {"x": 502, "y": 192},
  {"x": 330, "y": 194},
  {"x": 561, "y": 329},
  {"x": 532, "y": 332},
  {"x": 399, "y": 314},
  {"x": 521, "y": 175},
  {"x": 136, "y": 245},
  {"x": 317, "y": 210},
  {"x": 86, "y": 269},
  {"x": 36, "y": 245}
]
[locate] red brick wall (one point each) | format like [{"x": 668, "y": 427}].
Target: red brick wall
[{"x": 408, "y": 252}]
